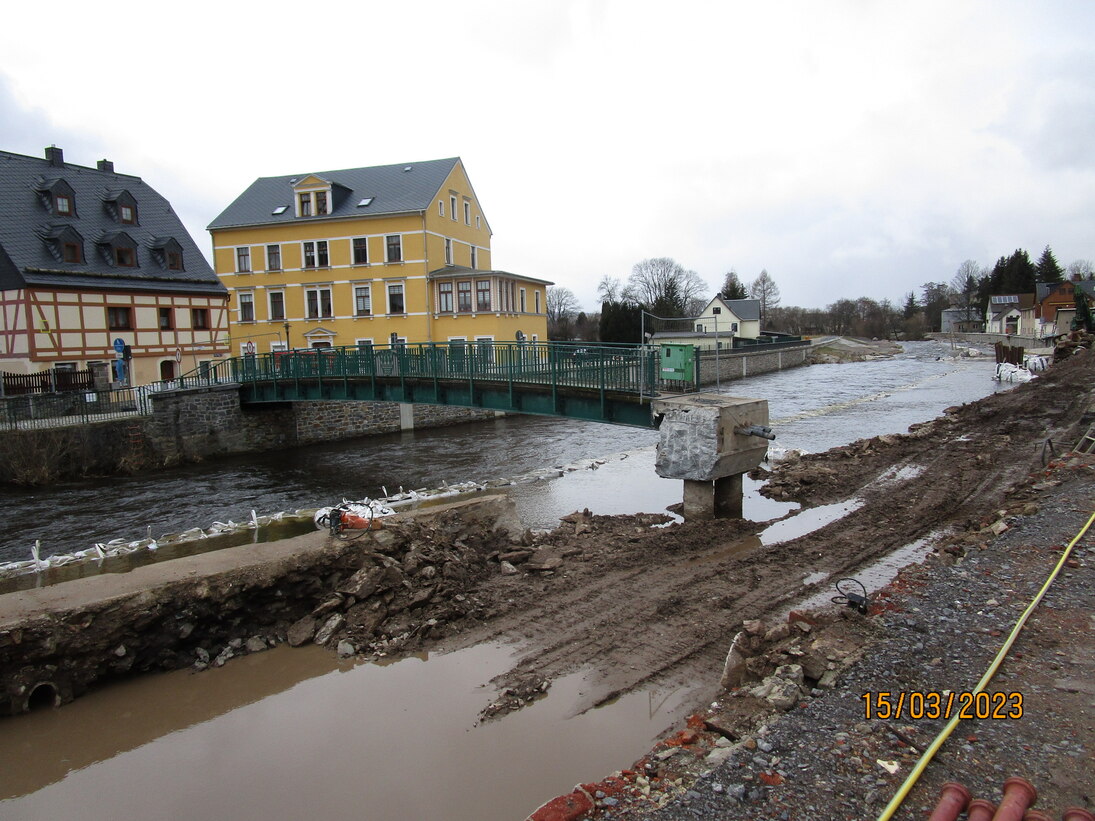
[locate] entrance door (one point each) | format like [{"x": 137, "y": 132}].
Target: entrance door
[{"x": 167, "y": 369}]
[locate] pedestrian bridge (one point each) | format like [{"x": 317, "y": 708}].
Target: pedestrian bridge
[{"x": 603, "y": 383}]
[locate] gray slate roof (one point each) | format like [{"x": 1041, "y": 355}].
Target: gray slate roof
[
  {"x": 25, "y": 258},
  {"x": 747, "y": 310},
  {"x": 394, "y": 189}
]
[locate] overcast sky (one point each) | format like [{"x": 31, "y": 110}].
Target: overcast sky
[{"x": 851, "y": 148}]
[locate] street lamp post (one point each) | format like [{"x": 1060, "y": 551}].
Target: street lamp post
[{"x": 286, "y": 336}]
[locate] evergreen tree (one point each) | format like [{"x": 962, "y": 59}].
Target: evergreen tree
[
  {"x": 1014, "y": 275},
  {"x": 911, "y": 307},
  {"x": 1047, "y": 269},
  {"x": 621, "y": 322},
  {"x": 733, "y": 287}
]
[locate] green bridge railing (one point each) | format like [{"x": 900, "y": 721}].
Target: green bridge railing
[{"x": 608, "y": 383}]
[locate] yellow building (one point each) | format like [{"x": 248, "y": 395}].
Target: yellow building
[{"x": 395, "y": 253}]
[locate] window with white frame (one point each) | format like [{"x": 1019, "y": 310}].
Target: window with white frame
[
  {"x": 394, "y": 247},
  {"x": 444, "y": 297},
  {"x": 304, "y": 205},
  {"x": 395, "y": 298},
  {"x": 463, "y": 297},
  {"x": 277, "y": 304},
  {"x": 363, "y": 300},
  {"x": 474, "y": 257},
  {"x": 247, "y": 306},
  {"x": 482, "y": 295},
  {"x": 366, "y": 343},
  {"x": 278, "y": 346},
  {"x": 440, "y": 208},
  {"x": 448, "y": 251},
  {"x": 243, "y": 260},
  {"x": 536, "y": 299},
  {"x": 478, "y": 222},
  {"x": 452, "y": 206},
  {"x": 317, "y": 303},
  {"x": 361, "y": 251},
  {"x": 273, "y": 257},
  {"x": 522, "y": 300},
  {"x": 467, "y": 213},
  {"x": 315, "y": 254}
]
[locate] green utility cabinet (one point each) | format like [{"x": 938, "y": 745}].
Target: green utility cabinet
[{"x": 678, "y": 363}]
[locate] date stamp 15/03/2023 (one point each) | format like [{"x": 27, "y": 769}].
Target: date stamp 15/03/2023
[{"x": 918, "y": 704}]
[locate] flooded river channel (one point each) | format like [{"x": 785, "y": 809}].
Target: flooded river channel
[{"x": 288, "y": 733}]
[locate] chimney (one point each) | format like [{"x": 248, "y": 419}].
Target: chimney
[
  {"x": 106, "y": 166},
  {"x": 55, "y": 156},
  {"x": 1077, "y": 277}
]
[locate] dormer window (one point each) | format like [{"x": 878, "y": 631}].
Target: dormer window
[
  {"x": 119, "y": 249},
  {"x": 121, "y": 205},
  {"x": 64, "y": 243},
  {"x": 315, "y": 196},
  {"x": 57, "y": 197},
  {"x": 168, "y": 253}
]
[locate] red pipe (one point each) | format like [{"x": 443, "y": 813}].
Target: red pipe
[
  {"x": 1077, "y": 814},
  {"x": 953, "y": 798},
  {"x": 1018, "y": 795},
  {"x": 980, "y": 809}
]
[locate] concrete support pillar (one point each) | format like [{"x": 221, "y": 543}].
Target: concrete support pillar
[
  {"x": 728, "y": 497},
  {"x": 406, "y": 416},
  {"x": 704, "y": 442},
  {"x": 715, "y": 499}
]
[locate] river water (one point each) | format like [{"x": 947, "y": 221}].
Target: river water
[
  {"x": 290, "y": 733},
  {"x": 812, "y": 408}
]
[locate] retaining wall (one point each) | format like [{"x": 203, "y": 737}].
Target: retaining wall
[
  {"x": 198, "y": 423},
  {"x": 733, "y": 365}
]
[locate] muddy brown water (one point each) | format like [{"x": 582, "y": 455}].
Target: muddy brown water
[{"x": 296, "y": 733}]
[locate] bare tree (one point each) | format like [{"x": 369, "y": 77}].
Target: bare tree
[
  {"x": 964, "y": 286},
  {"x": 665, "y": 287},
  {"x": 562, "y": 307},
  {"x": 765, "y": 289},
  {"x": 609, "y": 289},
  {"x": 1082, "y": 268}
]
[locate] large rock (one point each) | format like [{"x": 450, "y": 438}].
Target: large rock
[{"x": 302, "y": 631}]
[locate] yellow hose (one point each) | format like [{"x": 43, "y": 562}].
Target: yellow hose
[{"x": 929, "y": 753}]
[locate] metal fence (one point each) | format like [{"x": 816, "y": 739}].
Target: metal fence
[
  {"x": 620, "y": 368},
  {"x": 57, "y": 410}
]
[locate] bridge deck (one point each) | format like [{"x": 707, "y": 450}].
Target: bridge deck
[{"x": 596, "y": 382}]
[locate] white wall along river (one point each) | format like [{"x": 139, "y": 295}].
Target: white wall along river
[{"x": 296, "y": 732}]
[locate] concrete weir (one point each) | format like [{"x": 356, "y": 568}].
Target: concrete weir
[{"x": 709, "y": 440}]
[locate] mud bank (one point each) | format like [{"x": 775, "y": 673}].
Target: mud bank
[{"x": 375, "y": 591}]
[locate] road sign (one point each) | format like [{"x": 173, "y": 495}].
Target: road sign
[
  {"x": 178, "y": 354},
  {"x": 249, "y": 348},
  {"x": 119, "y": 345}
]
